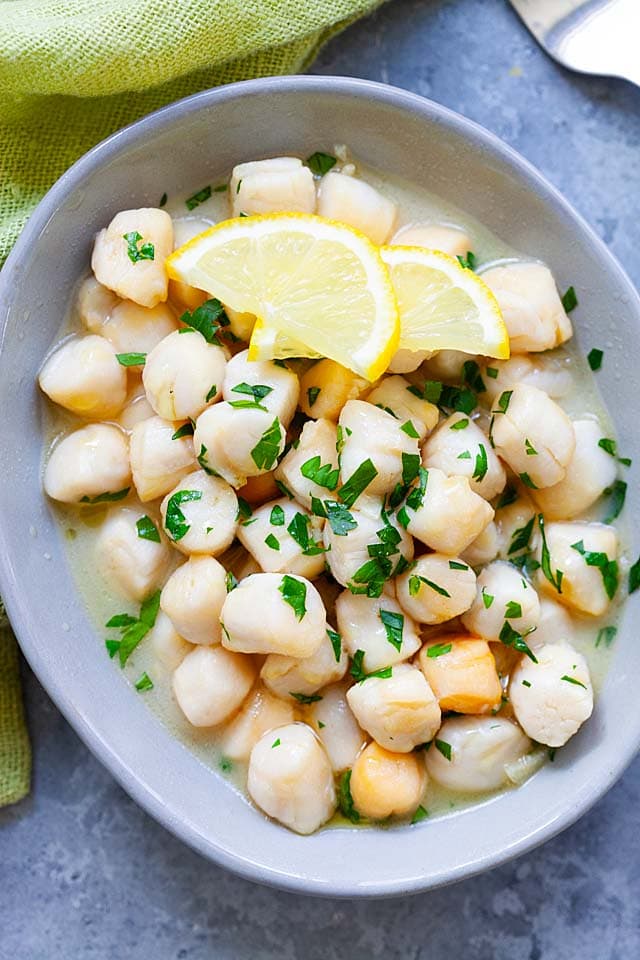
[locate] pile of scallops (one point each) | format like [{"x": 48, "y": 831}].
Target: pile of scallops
[{"x": 364, "y": 588}]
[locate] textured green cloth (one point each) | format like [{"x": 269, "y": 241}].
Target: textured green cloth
[
  {"x": 72, "y": 72},
  {"x": 15, "y": 752}
]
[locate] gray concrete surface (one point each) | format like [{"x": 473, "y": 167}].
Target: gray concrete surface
[{"x": 84, "y": 873}]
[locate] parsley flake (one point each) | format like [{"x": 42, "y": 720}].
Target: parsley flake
[
  {"x": 513, "y": 610},
  {"x": 272, "y": 541},
  {"x": 393, "y": 624},
  {"x": 336, "y": 643},
  {"x": 578, "y": 683},
  {"x": 555, "y": 579},
  {"x": 312, "y": 395},
  {"x": 345, "y": 800},
  {"x": 144, "y": 683},
  {"x": 175, "y": 520},
  {"x": 131, "y": 359},
  {"x": 197, "y": 198},
  {"x": 340, "y": 520},
  {"x": 276, "y": 517},
  {"x": 521, "y": 537},
  {"x": 420, "y": 814},
  {"x": 439, "y": 650},
  {"x": 609, "y": 570},
  {"x": 135, "y": 253},
  {"x": 594, "y": 358},
  {"x": 107, "y": 497},
  {"x": 324, "y": 475},
  {"x": 305, "y": 698},
  {"x": 207, "y": 319},
  {"x": 147, "y": 529},
  {"x": 357, "y": 483},
  {"x": 606, "y": 635},
  {"x": 294, "y": 592},
  {"x": 511, "y": 638},
  {"x": 468, "y": 262},
  {"x": 357, "y": 671},
  {"x": 320, "y": 163},
  {"x": 482, "y": 464},
  {"x": 186, "y": 430},
  {"x": 569, "y": 300},
  {"x": 265, "y": 453},
  {"x": 256, "y": 390},
  {"x": 444, "y": 748}
]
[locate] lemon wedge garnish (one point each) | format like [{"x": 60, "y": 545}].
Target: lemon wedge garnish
[
  {"x": 315, "y": 282},
  {"x": 443, "y": 305}
]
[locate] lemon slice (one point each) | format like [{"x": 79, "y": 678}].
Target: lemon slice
[
  {"x": 267, "y": 343},
  {"x": 444, "y": 306},
  {"x": 312, "y": 281}
]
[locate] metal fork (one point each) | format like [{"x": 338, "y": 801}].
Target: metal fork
[{"x": 590, "y": 36}]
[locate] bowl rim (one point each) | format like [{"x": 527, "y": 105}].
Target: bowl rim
[{"x": 16, "y": 600}]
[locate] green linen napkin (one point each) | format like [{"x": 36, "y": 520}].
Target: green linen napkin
[{"x": 72, "y": 72}]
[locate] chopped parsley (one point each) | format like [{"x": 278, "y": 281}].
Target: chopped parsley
[
  {"x": 465, "y": 455},
  {"x": 492, "y": 372},
  {"x": 345, "y": 800},
  {"x": 357, "y": 671},
  {"x": 131, "y": 359},
  {"x": 555, "y": 579},
  {"x": 276, "y": 743},
  {"x": 244, "y": 511},
  {"x": 221, "y": 188},
  {"x": 468, "y": 262},
  {"x": 147, "y": 529},
  {"x": 294, "y": 592},
  {"x": 410, "y": 467},
  {"x": 504, "y": 400},
  {"x": 175, "y": 520},
  {"x": 609, "y": 570},
  {"x": 508, "y": 496},
  {"x": 272, "y": 541},
  {"x": 439, "y": 650},
  {"x": 420, "y": 814},
  {"x": 145, "y": 252},
  {"x": 186, "y": 430},
  {"x": 336, "y": 643},
  {"x": 513, "y": 610},
  {"x": 414, "y": 586},
  {"x": 163, "y": 200},
  {"x": 247, "y": 405},
  {"x": 410, "y": 430},
  {"x": 256, "y": 390},
  {"x": 460, "y": 399},
  {"x": 487, "y": 598},
  {"x": 521, "y": 537},
  {"x": 618, "y": 493},
  {"x": 211, "y": 392},
  {"x": 320, "y": 163},
  {"x": 460, "y": 424},
  {"x": 528, "y": 482},
  {"x": 265, "y": 453},
  {"x": 393, "y": 624},
  {"x": 305, "y": 698},
  {"x": 132, "y": 629},
  {"x": 511, "y": 638},
  {"x": 606, "y": 635},
  {"x": 357, "y": 483},
  {"x": 595, "y": 358},
  {"x": 531, "y": 451},
  {"x": 312, "y": 395},
  {"x": 371, "y": 576},
  {"x": 197, "y": 198},
  {"x": 431, "y": 392},
  {"x": 276, "y": 517},
  {"x": 284, "y": 490},
  {"x": 340, "y": 520},
  {"x": 457, "y": 565},
  {"x": 569, "y": 300},
  {"x": 298, "y": 529},
  {"x": 634, "y": 577},
  {"x": 577, "y": 683},
  {"x": 144, "y": 683},
  {"x": 322, "y": 474},
  {"x": 444, "y": 748},
  {"x": 482, "y": 464},
  {"x": 472, "y": 377},
  {"x": 230, "y": 581},
  {"x": 107, "y": 497},
  {"x": 207, "y": 319},
  {"x": 202, "y": 460},
  {"x": 416, "y": 496}
]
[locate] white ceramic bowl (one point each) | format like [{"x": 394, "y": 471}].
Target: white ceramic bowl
[{"x": 197, "y": 141}]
